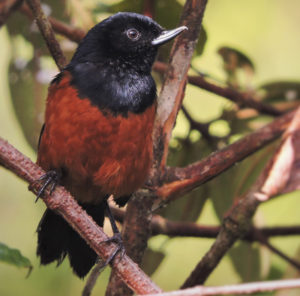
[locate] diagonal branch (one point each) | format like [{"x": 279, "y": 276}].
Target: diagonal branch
[
  {"x": 242, "y": 99},
  {"x": 179, "y": 181},
  {"x": 62, "y": 203},
  {"x": 47, "y": 32},
  {"x": 172, "y": 92},
  {"x": 73, "y": 33},
  {"x": 7, "y": 8},
  {"x": 236, "y": 224}
]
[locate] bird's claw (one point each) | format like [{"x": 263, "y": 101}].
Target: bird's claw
[
  {"x": 50, "y": 178},
  {"x": 116, "y": 238}
]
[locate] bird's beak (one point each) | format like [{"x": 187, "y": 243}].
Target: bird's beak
[{"x": 168, "y": 35}]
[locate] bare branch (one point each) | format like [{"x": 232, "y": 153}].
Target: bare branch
[
  {"x": 279, "y": 253},
  {"x": 135, "y": 233},
  {"x": 92, "y": 279},
  {"x": 236, "y": 224},
  {"x": 47, "y": 32},
  {"x": 62, "y": 202},
  {"x": 7, "y": 8},
  {"x": 242, "y": 99},
  {"x": 73, "y": 33},
  {"x": 182, "y": 180},
  {"x": 172, "y": 93},
  {"x": 248, "y": 288},
  {"x": 160, "y": 225}
]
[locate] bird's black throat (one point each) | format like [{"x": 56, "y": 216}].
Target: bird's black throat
[{"x": 114, "y": 86}]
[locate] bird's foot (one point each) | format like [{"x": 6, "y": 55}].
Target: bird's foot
[
  {"x": 117, "y": 239},
  {"x": 51, "y": 178}
]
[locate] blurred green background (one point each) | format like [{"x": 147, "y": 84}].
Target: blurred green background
[{"x": 266, "y": 31}]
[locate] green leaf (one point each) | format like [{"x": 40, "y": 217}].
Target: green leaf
[
  {"x": 190, "y": 207},
  {"x": 151, "y": 260},
  {"x": 237, "y": 66},
  {"x": 14, "y": 257},
  {"x": 246, "y": 261}
]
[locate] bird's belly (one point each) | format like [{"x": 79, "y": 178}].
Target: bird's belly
[{"x": 101, "y": 153}]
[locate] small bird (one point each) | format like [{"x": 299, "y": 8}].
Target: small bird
[{"x": 97, "y": 136}]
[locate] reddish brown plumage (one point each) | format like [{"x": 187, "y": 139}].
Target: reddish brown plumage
[{"x": 101, "y": 153}]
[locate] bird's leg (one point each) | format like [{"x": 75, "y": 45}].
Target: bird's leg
[
  {"x": 116, "y": 238},
  {"x": 51, "y": 178}
]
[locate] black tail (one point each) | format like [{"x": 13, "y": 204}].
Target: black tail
[{"x": 56, "y": 239}]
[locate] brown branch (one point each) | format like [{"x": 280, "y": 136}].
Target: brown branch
[
  {"x": 7, "y": 8},
  {"x": 241, "y": 99},
  {"x": 248, "y": 288},
  {"x": 172, "y": 92},
  {"x": 62, "y": 202},
  {"x": 135, "y": 233},
  {"x": 92, "y": 279},
  {"x": 160, "y": 225},
  {"x": 73, "y": 33},
  {"x": 47, "y": 32},
  {"x": 238, "y": 221},
  {"x": 203, "y": 128},
  {"x": 181, "y": 180},
  {"x": 279, "y": 253}
]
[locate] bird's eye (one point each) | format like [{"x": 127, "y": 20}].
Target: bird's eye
[{"x": 133, "y": 34}]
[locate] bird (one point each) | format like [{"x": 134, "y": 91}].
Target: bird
[{"x": 97, "y": 137}]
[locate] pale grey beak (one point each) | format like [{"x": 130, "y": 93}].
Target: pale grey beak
[{"x": 168, "y": 35}]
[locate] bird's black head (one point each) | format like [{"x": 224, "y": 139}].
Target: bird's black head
[
  {"x": 112, "y": 64},
  {"x": 124, "y": 37}
]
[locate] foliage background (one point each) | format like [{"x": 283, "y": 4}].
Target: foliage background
[{"x": 267, "y": 31}]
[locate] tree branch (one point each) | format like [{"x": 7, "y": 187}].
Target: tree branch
[
  {"x": 179, "y": 181},
  {"x": 47, "y": 32},
  {"x": 237, "y": 223},
  {"x": 248, "y": 288},
  {"x": 241, "y": 99},
  {"x": 62, "y": 203},
  {"x": 172, "y": 92},
  {"x": 160, "y": 225},
  {"x": 73, "y": 33},
  {"x": 7, "y": 8}
]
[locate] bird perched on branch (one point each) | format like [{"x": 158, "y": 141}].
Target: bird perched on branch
[{"x": 97, "y": 136}]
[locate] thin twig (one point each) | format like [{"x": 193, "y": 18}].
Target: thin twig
[
  {"x": 7, "y": 8},
  {"x": 203, "y": 128},
  {"x": 242, "y": 99},
  {"x": 47, "y": 32},
  {"x": 279, "y": 253},
  {"x": 160, "y": 225},
  {"x": 73, "y": 33},
  {"x": 92, "y": 279},
  {"x": 248, "y": 288},
  {"x": 62, "y": 203}
]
